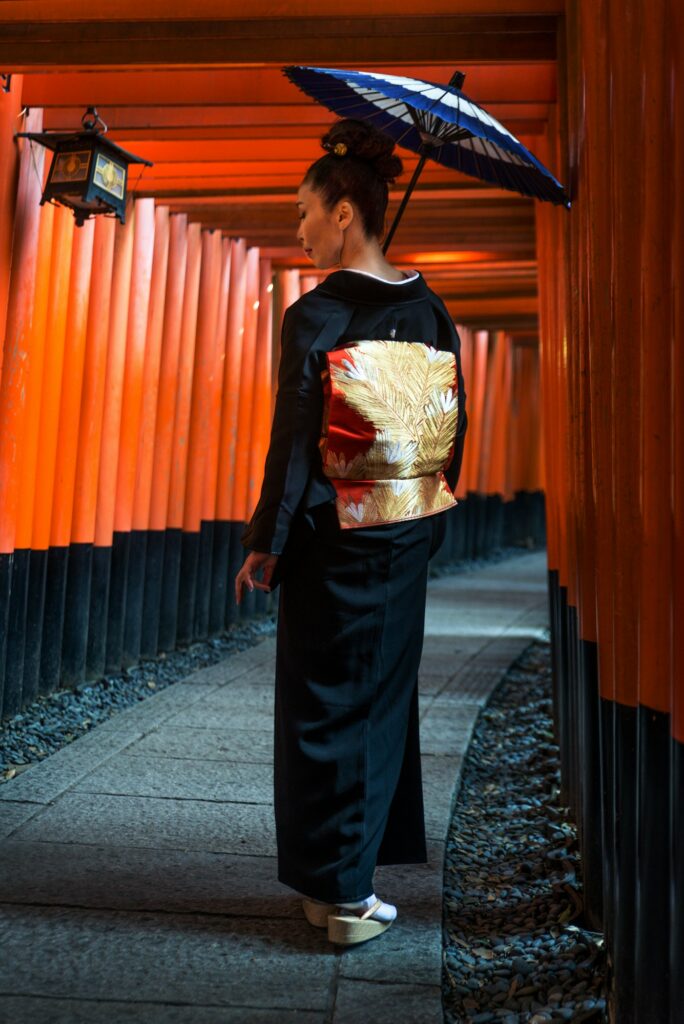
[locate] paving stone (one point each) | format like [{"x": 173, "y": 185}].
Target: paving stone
[
  {"x": 147, "y": 869},
  {"x": 246, "y": 745},
  {"x": 45, "y": 781},
  {"x": 517, "y": 573},
  {"x": 410, "y": 949},
  {"x": 12, "y": 815},
  {"x": 472, "y": 632},
  {"x": 69, "y": 1011},
  {"x": 259, "y": 693},
  {"x": 237, "y": 665},
  {"x": 155, "y": 823},
  {"x": 448, "y": 735},
  {"x": 128, "y": 878},
  {"x": 216, "y": 714},
  {"x": 360, "y": 1002},
  {"x": 440, "y": 781},
  {"x": 186, "y": 779},
  {"x": 188, "y": 958},
  {"x": 259, "y": 676},
  {"x": 475, "y": 682},
  {"x": 432, "y": 683},
  {"x": 413, "y": 887},
  {"x": 151, "y": 712},
  {"x": 450, "y": 648}
]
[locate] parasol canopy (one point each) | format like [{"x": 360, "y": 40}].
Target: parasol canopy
[{"x": 434, "y": 120}]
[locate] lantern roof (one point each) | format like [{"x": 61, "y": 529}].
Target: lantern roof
[{"x": 52, "y": 140}]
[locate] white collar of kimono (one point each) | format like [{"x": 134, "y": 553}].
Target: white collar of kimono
[{"x": 384, "y": 280}]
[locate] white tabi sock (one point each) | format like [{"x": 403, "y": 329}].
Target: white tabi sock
[{"x": 385, "y": 912}]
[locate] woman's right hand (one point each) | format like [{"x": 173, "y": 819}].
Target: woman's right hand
[{"x": 254, "y": 561}]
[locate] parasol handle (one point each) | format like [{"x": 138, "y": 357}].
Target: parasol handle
[
  {"x": 405, "y": 199},
  {"x": 456, "y": 80}
]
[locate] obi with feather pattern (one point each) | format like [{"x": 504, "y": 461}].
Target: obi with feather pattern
[{"x": 388, "y": 431}]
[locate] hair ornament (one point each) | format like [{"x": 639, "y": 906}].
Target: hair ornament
[{"x": 340, "y": 149}]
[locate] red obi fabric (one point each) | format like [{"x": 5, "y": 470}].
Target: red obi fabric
[{"x": 388, "y": 431}]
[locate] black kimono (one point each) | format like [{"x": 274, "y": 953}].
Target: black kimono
[{"x": 348, "y": 790}]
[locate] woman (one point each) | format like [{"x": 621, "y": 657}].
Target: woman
[{"x": 365, "y": 451}]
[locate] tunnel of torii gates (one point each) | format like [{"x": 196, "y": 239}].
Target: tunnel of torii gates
[{"x": 139, "y": 364}]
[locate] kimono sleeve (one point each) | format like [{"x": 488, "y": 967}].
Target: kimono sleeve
[
  {"x": 451, "y": 342},
  {"x": 295, "y": 431}
]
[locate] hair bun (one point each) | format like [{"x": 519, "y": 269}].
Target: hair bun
[{"x": 363, "y": 141}]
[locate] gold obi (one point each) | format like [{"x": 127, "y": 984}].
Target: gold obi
[{"x": 388, "y": 432}]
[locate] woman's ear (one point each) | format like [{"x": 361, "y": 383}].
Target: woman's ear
[{"x": 345, "y": 213}]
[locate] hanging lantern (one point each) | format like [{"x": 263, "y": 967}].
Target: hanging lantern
[{"x": 88, "y": 172}]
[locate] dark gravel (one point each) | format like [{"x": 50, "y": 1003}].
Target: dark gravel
[
  {"x": 515, "y": 949},
  {"x": 51, "y": 722}
]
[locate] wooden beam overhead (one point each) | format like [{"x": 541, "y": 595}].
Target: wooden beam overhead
[
  {"x": 294, "y": 154},
  {"x": 27, "y": 45},
  {"x": 265, "y": 86},
  {"x": 162, "y": 123},
  {"x": 532, "y": 129},
  {"x": 305, "y": 116},
  {"x": 473, "y": 191},
  {"x": 151, "y": 10},
  {"x": 214, "y": 180}
]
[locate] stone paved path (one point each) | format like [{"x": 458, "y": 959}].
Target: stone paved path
[{"x": 137, "y": 871}]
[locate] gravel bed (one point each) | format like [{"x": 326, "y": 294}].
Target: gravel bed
[
  {"x": 514, "y": 947},
  {"x": 58, "y": 718}
]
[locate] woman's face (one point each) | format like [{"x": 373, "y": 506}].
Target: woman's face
[{"x": 321, "y": 232}]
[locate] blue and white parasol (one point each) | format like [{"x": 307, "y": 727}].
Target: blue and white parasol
[{"x": 433, "y": 120}]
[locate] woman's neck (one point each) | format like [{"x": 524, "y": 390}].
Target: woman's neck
[{"x": 371, "y": 259}]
